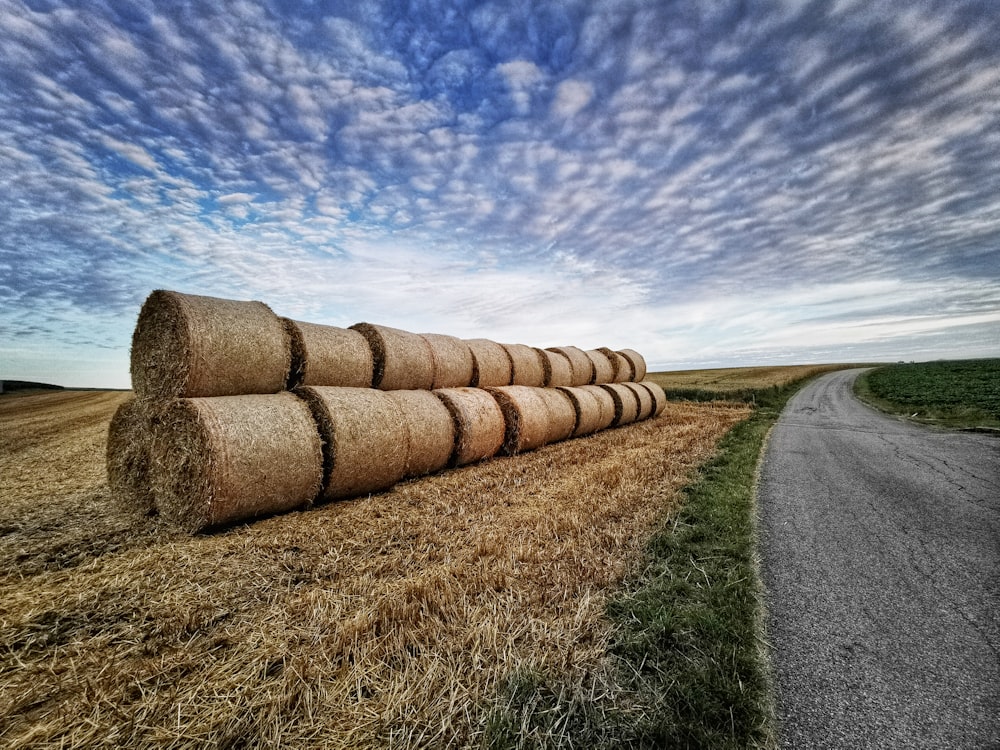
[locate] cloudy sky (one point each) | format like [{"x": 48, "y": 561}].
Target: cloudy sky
[{"x": 710, "y": 183}]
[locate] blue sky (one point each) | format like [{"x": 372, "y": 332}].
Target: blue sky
[{"x": 712, "y": 184}]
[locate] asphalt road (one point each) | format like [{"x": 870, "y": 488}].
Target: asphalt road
[{"x": 880, "y": 548}]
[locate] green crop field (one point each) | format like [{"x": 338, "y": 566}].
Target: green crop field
[{"x": 961, "y": 393}]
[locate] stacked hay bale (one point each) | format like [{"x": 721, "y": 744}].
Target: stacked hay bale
[{"x": 239, "y": 413}]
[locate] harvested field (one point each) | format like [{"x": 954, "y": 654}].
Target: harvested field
[
  {"x": 401, "y": 619},
  {"x": 737, "y": 378}
]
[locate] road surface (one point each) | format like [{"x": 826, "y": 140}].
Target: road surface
[{"x": 880, "y": 547}]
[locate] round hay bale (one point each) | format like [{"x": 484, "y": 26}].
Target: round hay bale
[
  {"x": 638, "y": 363},
  {"x": 659, "y": 397},
  {"x": 131, "y": 433},
  {"x": 557, "y": 368},
  {"x": 365, "y": 439},
  {"x": 328, "y": 355},
  {"x": 526, "y": 365},
  {"x": 581, "y": 367},
  {"x": 185, "y": 345},
  {"x": 604, "y": 371},
  {"x": 452, "y": 358},
  {"x": 645, "y": 399},
  {"x": 234, "y": 458},
  {"x": 626, "y": 403},
  {"x": 593, "y": 412},
  {"x": 620, "y": 366},
  {"x": 429, "y": 428},
  {"x": 401, "y": 360},
  {"x": 561, "y": 414},
  {"x": 525, "y": 416},
  {"x": 479, "y": 424},
  {"x": 490, "y": 363}
]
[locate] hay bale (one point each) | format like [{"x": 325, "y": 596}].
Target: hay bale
[
  {"x": 401, "y": 360},
  {"x": 561, "y": 414},
  {"x": 491, "y": 363},
  {"x": 131, "y": 433},
  {"x": 581, "y": 367},
  {"x": 479, "y": 424},
  {"x": 185, "y": 345},
  {"x": 620, "y": 366},
  {"x": 593, "y": 407},
  {"x": 365, "y": 439},
  {"x": 429, "y": 428},
  {"x": 327, "y": 355},
  {"x": 604, "y": 371},
  {"x": 234, "y": 458},
  {"x": 557, "y": 368},
  {"x": 626, "y": 403},
  {"x": 525, "y": 416},
  {"x": 638, "y": 364},
  {"x": 526, "y": 365},
  {"x": 452, "y": 358},
  {"x": 645, "y": 399},
  {"x": 658, "y": 395}
]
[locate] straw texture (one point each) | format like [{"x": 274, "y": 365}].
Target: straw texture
[
  {"x": 491, "y": 363},
  {"x": 604, "y": 371},
  {"x": 526, "y": 417},
  {"x": 645, "y": 400},
  {"x": 561, "y": 415},
  {"x": 638, "y": 364},
  {"x": 582, "y": 368},
  {"x": 401, "y": 360},
  {"x": 626, "y": 403},
  {"x": 452, "y": 358},
  {"x": 479, "y": 424},
  {"x": 659, "y": 397},
  {"x": 557, "y": 368},
  {"x": 130, "y": 441},
  {"x": 620, "y": 366},
  {"x": 186, "y": 345},
  {"x": 429, "y": 428},
  {"x": 365, "y": 439},
  {"x": 234, "y": 458},
  {"x": 526, "y": 365},
  {"x": 594, "y": 410},
  {"x": 327, "y": 355}
]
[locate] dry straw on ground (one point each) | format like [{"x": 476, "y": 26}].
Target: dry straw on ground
[
  {"x": 430, "y": 431},
  {"x": 365, "y": 440},
  {"x": 491, "y": 363},
  {"x": 593, "y": 412},
  {"x": 526, "y": 365},
  {"x": 557, "y": 368},
  {"x": 626, "y": 403},
  {"x": 234, "y": 458},
  {"x": 130, "y": 442},
  {"x": 659, "y": 397},
  {"x": 328, "y": 355},
  {"x": 452, "y": 358},
  {"x": 581, "y": 367},
  {"x": 402, "y": 360},
  {"x": 479, "y": 424},
  {"x": 186, "y": 345},
  {"x": 398, "y": 620},
  {"x": 638, "y": 363},
  {"x": 604, "y": 372},
  {"x": 561, "y": 414},
  {"x": 526, "y": 417}
]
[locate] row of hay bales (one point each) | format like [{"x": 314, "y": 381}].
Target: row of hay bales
[{"x": 209, "y": 460}]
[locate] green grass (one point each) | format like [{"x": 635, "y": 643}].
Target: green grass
[{"x": 957, "y": 394}]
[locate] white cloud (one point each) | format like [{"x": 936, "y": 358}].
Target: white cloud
[{"x": 571, "y": 97}]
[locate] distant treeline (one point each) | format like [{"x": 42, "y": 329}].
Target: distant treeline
[{"x": 25, "y": 385}]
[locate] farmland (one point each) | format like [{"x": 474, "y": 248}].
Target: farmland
[
  {"x": 734, "y": 383},
  {"x": 429, "y": 615}
]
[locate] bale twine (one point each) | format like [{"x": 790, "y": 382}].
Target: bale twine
[
  {"x": 659, "y": 397},
  {"x": 561, "y": 414},
  {"x": 526, "y": 365},
  {"x": 327, "y": 355},
  {"x": 491, "y": 363},
  {"x": 638, "y": 364},
  {"x": 645, "y": 399},
  {"x": 401, "y": 360},
  {"x": 430, "y": 431},
  {"x": 131, "y": 433},
  {"x": 620, "y": 366},
  {"x": 452, "y": 358},
  {"x": 626, "y": 403},
  {"x": 593, "y": 412},
  {"x": 479, "y": 424},
  {"x": 604, "y": 371},
  {"x": 185, "y": 345},
  {"x": 233, "y": 458},
  {"x": 525, "y": 416},
  {"x": 556, "y": 367},
  {"x": 365, "y": 439},
  {"x": 581, "y": 367}
]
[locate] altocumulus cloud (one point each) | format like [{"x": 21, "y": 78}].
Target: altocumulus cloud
[{"x": 709, "y": 183}]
